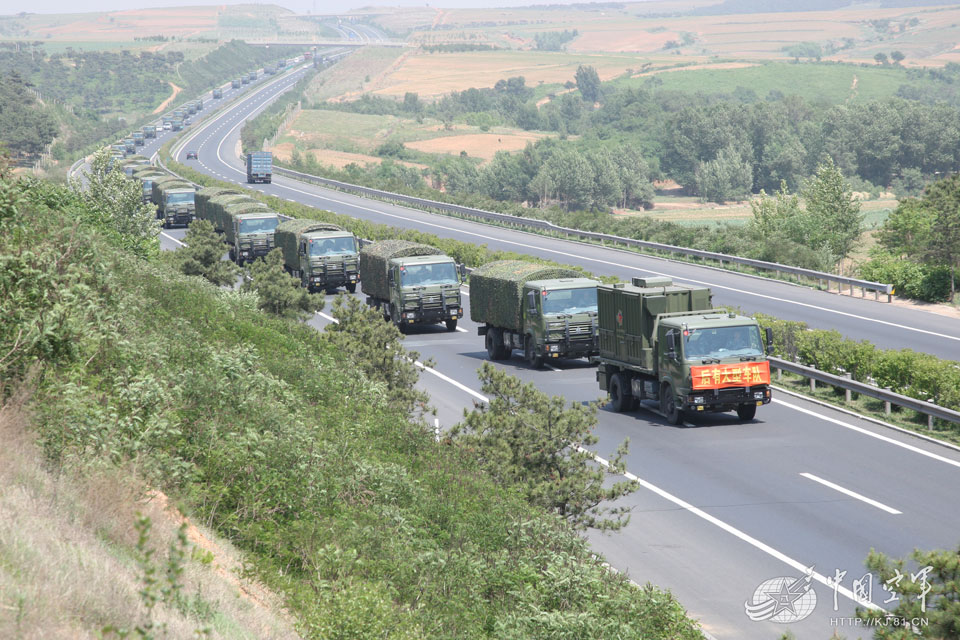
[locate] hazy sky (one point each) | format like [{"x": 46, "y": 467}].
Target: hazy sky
[{"x": 314, "y": 6}]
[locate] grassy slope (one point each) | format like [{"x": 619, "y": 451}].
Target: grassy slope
[{"x": 262, "y": 430}]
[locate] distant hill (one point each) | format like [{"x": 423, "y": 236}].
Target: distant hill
[{"x": 732, "y": 7}]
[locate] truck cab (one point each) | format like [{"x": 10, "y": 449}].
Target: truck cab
[
  {"x": 328, "y": 259},
  {"x": 178, "y": 207},
  {"x": 559, "y": 319},
  {"x": 252, "y": 235},
  {"x": 424, "y": 290},
  {"x": 138, "y": 138},
  {"x": 129, "y": 145}
]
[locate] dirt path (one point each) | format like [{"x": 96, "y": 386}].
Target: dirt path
[{"x": 166, "y": 103}]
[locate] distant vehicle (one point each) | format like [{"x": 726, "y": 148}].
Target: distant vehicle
[
  {"x": 191, "y": 155},
  {"x": 138, "y": 138},
  {"x": 235, "y": 83},
  {"x": 259, "y": 167},
  {"x": 167, "y": 126},
  {"x": 245, "y": 79},
  {"x": 149, "y": 131},
  {"x": 159, "y": 129},
  {"x": 217, "y": 94}
]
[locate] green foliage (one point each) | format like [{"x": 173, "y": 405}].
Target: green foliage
[
  {"x": 279, "y": 292},
  {"x": 116, "y": 203},
  {"x": 27, "y": 128},
  {"x": 554, "y": 40},
  {"x": 375, "y": 348},
  {"x": 202, "y": 255},
  {"x": 930, "y": 593},
  {"x": 910, "y": 279},
  {"x": 535, "y": 443},
  {"x": 833, "y": 210},
  {"x": 726, "y": 177},
  {"x": 588, "y": 82}
]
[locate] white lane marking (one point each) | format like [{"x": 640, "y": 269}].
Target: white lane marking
[
  {"x": 757, "y": 544},
  {"x": 867, "y": 432},
  {"x": 550, "y": 366},
  {"x": 617, "y": 264},
  {"x": 448, "y": 379},
  {"x": 170, "y": 237},
  {"x": 462, "y": 330},
  {"x": 852, "y": 494}
]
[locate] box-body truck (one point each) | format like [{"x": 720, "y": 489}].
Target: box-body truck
[
  {"x": 217, "y": 94},
  {"x": 548, "y": 312},
  {"x": 665, "y": 343},
  {"x": 138, "y": 138},
  {"x": 411, "y": 284},
  {"x": 149, "y": 131},
  {"x": 259, "y": 167},
  {"x": 322, "y": 255}
]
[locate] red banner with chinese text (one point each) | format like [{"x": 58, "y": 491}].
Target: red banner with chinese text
[{"x": 720, "y": 376}]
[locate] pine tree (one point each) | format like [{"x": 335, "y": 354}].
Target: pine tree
[
  {"x": 532, "y": 441},
  {"x": 202, "y": 255},
  {"x": 279, "y": 292}
]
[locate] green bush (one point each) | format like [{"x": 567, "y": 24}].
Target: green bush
[{"x": 910, "y": 279}]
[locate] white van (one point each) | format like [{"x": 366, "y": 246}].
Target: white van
[{"x": 166, "y": 126}]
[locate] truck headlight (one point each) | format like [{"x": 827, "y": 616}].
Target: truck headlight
[
  {"x": 758, "y": 395},
  {"x": 553, "y": 347}
]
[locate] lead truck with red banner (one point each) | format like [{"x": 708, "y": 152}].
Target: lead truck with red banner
[{"x": 664, "y": 342}]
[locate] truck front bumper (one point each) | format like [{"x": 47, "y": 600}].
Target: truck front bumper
[
  {"x": 184, "y": 219},
  {"x": 571, "y": 349},
  {"x": 430, "y": 315},
  {"x": 725, "y": 399},
  {"x": 332, "y": 280}
]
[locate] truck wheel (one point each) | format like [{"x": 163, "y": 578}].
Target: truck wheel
[
  {"x": 352, "y": 287},
  {"x": 746, "y": 412},
  {"x": 233, "y": 255},
  {"x": 536, "y": 361},
  {"x": 451, "y": 324},
  {"x": 491, "y": 341},
  {"x": 668, "y": 405},
  {"x": 620, "y": 400}
]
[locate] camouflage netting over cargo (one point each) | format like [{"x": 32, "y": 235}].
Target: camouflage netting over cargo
[
  {"x": 287, "y": 237},
  {"x": 216, "y": 206},
  {"x": 148, "y": 171},
  {"x": 167, "y": 183},
  {"x": 374, "y": 258},
  {"x": 496, "y": 290},
  {"x": 203, "y": 198}
]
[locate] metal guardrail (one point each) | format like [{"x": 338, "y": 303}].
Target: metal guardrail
[
  {"x": 889, "y": 398},
  {"x": 543, "y": 225}
]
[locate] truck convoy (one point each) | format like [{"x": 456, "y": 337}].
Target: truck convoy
[
  {"x": 248, "y": 225},
  {"x": 411, "y": 283},
  {"x": 322, "y": 255},
  {"x": 664, "y": 342},
  {"x": 548, "y": 312},
  {"x": 259, "y": 167},
  {"x": 174, "y": 199}
]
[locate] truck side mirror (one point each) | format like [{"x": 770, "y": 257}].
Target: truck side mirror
[
  {"x": 769, "y": 333},
  {"x": 462, "y": 270},
  {"x": 390, "y": 277},
  {"x": 671, "y": 345}
]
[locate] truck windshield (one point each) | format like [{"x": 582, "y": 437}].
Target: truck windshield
[
  {"x": 570, "y": 301},
  {"x": 258, "y": 225},
  {"x": 332, "y": 246},
  {"x": 722, "y": 342},
  {"x": 180, "y": 198},
  {"x": 426, "y": 274}
]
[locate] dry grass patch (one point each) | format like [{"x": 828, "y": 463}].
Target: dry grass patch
[
  {"x": 336, "y": 159},
  {"x": 477, "y": 145},
  {"x": 67, "y": 554}
]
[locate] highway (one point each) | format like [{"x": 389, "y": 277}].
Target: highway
[{"x": 723, "y": 506}]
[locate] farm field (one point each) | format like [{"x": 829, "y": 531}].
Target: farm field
[
  {"x": 362, "y": 133},
  {"x": 349, "y": 76}
]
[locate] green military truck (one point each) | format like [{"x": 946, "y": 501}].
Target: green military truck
[
  {"x": 129, "y": 146},
  {"x": 664, "y": 342},
  {"x": 322, "y": 255},
  {"x": 548, "y": 312},
  {"x": 411, "y": 284},
  {"x": 138, "y": 138},
  {"x": 131, "y": 163},
  {"x": 149, "y": 131},
  {"x": 217, "y": 94},
  {"x": 235, "y": 84},
  {"x": 174, "y": 199},
  {"x": 249, "y": 230},
  {"x": 176, "y": 125},
  {"x": 146, "y": 176},
  {"x": 206, "y": 211}
]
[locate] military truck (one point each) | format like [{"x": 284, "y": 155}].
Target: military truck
[
  {"x": 129, "y": 146},
  {"x": 190, "y": 108},
  {"x": 138, "y": 138},
  {"x": 411, "y": 284},
  {"x": 205, "y": 211},
  {"x": 146, "y": 176},
  {"x": 176, "y": 125},
  {"x": 149, "y": 131},
  {"x": 174, "y": 199},
  {"x": 245, "y": 79},
  {"x": 249, "y": 230},
  {"x": 119, "y": 149},
  {"x": 199, "y": 102},
  {"x": 259, "y": 167},
  {"x": 178, "y": 114},
  {"x": 235, "y": 83},
  {"x": 322, "y": 255},
  {"x": 217, "y": 94},
  {"x": 664, "y": 342},
  {"x": 214, "y": 208},
  {"x": 548, "y": 312},
  {"x": 131, "y": 163}
]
